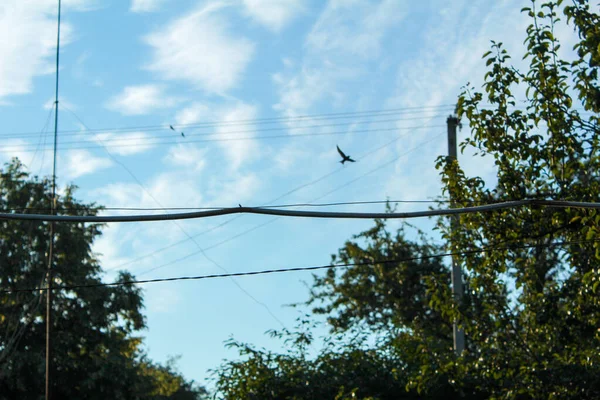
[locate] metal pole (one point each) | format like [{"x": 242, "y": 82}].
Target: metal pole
[
  {"x": 457, "y": 283},
  {"x": 52, "y": 229}
]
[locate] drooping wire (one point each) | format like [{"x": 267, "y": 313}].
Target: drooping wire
[{"x": 303, "y": 269}]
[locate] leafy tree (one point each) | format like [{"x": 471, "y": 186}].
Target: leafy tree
[
  {"x": 95, "y": 331},
  {"x": 532, "y": 313},
  {"x": 531, "y": 310}
]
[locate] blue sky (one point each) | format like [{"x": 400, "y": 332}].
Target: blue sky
[{"x": 214, "y": 69}]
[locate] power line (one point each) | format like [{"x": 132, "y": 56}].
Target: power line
[
  {"x": 296, "y": 213},
  {"x": 166, "y": 132},
  {"x": 333, "y": 204},
  {"x": 42, "y": 135},
  {"x": 99, "y": 143},
  {"x": 261, "y": 121},
  {"x": 183, "y": 230},
  {"x": 298, "y": 269},
  {"x": 297, "y": 188}
]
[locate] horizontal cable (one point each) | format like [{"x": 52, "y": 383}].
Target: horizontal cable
[
  {"x": 295, "y": 213},
  {"x": 339, "y": 203},
  {"x": 96, "y": 144},
  {"x": 260, "y": 121},
  {"x": 166, "y": 131},
  {"x": 298, "y": 269}
]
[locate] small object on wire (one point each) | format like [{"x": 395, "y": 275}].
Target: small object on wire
[{"x": 173, "y": 129}]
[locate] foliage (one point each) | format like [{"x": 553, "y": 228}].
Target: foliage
[
  {"x": 531, "y": 308},
  {"x": 341, "y": 371},
  {"x": 95, "y": 337},
  {"x": 532, "y": 313}
]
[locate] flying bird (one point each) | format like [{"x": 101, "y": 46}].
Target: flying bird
[
  {"x": 173, "y": 129},
  {"x": 344, "y": 156}
]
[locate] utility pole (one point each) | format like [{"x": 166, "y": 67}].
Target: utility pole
[
  {"x": 457, "y": 283},
  {"x": 52, "y": 231}
]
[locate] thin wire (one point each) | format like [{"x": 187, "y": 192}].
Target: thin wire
[
  {"x": 299, "y": 213},
  {"x": 299, "y": 269},
  {"x": 65, "y": 145},
  {"x": 270, "y": 221},
  {"x": 42, "y": 135},
  {"x": 210, "y": 124},
  {"x": 252, "y": 130},
  {"x": 333, "y": 204},
  {"x": 297, "y": 188},
  {"x": 182, "y": 229}
]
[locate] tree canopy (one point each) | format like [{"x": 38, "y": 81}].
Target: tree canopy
[
  {"x": 95, "y": 331},
  {"x": 532, "y": 275}
]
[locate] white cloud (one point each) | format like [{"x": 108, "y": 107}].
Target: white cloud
[
  {"x": 170, "y": 189},
  {"x": 274, "y": 14},
  {"x": 198, "y": 48},
  {"x": 125, "y": 143},
  {"x": 140, "y": 6},
  {"x": 229, "y": 191},
  {"x": 192, "y": 114},
  {"x": 29, "y": 32},
  {"x": 346, "y": 37},
  {"x": 187, "y": 156},
  {"x": 237, "y": 152},
  {"x": 140, "y": 100},
  {"x": 77, "y": 163},
  {"x": 354, "y": 27}
]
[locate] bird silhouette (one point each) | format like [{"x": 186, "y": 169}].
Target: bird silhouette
[{"x": 344, "y": 156}]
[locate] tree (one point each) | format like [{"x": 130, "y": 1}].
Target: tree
[
  {"x": 531, "y": 310},
  {"x": 95, "y": 331}
]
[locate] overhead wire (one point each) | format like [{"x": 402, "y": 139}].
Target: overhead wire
[
  {"x": 289, "y": 192},
  {"x": 166, "y": 131},
  {"x": 271, "y": 220},
  {"x": 66, "y": 145},
  {"x": 314, "y": 205},
  {"x": 181, "y": 228},
  {"x": 42, "y": 135},
  {"x": 261, "y": 121},
  {"x": 301, "y": 269}
]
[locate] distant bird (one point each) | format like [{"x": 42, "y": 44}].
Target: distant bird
[
  {"x": 173, "y": 129},
  {"x": 344, "y": 156}
]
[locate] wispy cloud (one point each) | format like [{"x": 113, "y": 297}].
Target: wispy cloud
[
  {"x": 354, "y": 27},
  {"x": 345, "y": 38},
  {"x": 200, "y": 49},
  {"x": 274, "y": 14},
  {"x": 77, "y": 163},
  {"x": 140, "y": 100},
  {"x": 142, "y": 6},
  {"x": 125, "y": 144},
  {"x": 237, "y": 152},
  {"x": 189, "y": 157}
]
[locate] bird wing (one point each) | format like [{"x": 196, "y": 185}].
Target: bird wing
[
  {"x": 351, "y": 160},
  {"x": 341, "y": 152}
]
